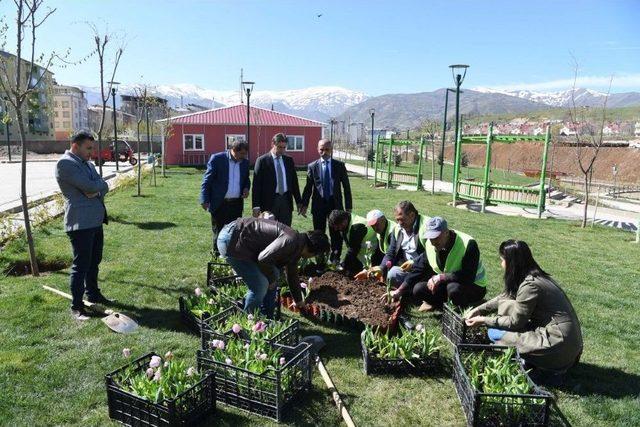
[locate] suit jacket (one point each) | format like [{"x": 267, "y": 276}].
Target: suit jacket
[
  {"x": 265, "y": 181},
  {"x": 215, "y": 181},
  {"x": 313, "y": 187},
  {"x": 77, "y": 177},
  {"x": 543, "y": 325}
]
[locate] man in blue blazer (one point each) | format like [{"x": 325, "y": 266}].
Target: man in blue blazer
[
  {"x": 224, "y": 186},
  {"x": 84, "y": 213}
]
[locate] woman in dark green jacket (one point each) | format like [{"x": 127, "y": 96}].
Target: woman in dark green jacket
[{"x": 532, "y": 314}]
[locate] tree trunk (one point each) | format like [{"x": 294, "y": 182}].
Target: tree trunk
[
  {"x": 35, "y": 270},
  {"x": 586, "y": 200},
  {"x": 139, "y": 163}
]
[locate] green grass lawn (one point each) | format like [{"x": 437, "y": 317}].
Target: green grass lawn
[
  {"x": 497, "y": 176},
  {"x": 156, "y": 248}
]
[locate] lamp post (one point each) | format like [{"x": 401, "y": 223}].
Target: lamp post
[
  {"x": 614, "y": 171},
  {"x": 444, "y": 128},
  {"x": 332, "y": 122},
  {"x": 6, "y": 119},
  {"x": 372, "y": 113},
  {"x": 247, "y": 87},
  {"x": 458, "y": 71},
  {"x": 116, "y": 153}
]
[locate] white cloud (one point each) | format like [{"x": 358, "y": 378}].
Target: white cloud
[{"x": 620, "y": 81}]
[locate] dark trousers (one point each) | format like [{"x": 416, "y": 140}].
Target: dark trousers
[
  {"x": 87, "y": 254},
  {"x": 460, "y": 295},
  {"x": 320, "y": 213},
  {"x": 228, "y": 211},
  {"x": 282, "y": 208}
]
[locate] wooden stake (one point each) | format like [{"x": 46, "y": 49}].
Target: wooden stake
[{"x": 334, "y": 392}]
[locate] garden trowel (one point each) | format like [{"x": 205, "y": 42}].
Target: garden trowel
[{"x": 117, "y": 322}]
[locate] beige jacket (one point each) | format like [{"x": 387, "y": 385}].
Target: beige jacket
[{"x": 543, "y": 325}]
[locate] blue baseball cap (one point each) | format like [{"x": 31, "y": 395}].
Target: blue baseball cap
[{"x": 435, "y": 226}]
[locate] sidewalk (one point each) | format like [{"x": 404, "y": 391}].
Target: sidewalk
[{"x": 608, "y": 216}]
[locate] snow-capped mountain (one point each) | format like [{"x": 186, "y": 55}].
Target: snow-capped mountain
[
  {"x": 583, "y": 97},
  {"x": 319, "y": 103}
]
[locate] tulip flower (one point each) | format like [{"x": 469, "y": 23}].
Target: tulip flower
[
  {"x": 389, "y": 264},
  {"x": 236, "y": 328},
  {"x": 303, "y": 285},
  {"x": 211, "y": 301},
  {"x": 419, "y": 327},
  {"x": 311, "y": 279},
  {"x": 150, "y": 372},
  {"x": 282, "y": 361},
  {"x": 263, "y": 356},
  {"x": 126, "y": 352},
  {"x": 168, "y": 355},
  {"x": 259, "y": 326},
  {"x": 191, "y": 371},
  {"x": 166, "y": 364},
  {"x": 228, "y": 361},
  {"x": 157, "y": 375},
  {"x": 221, "y": 345},
  {"x": 155, "y": 361},
  {"x": 214, "y": 343},
  {"x": 246, "y": 346},
  {"x": 250, "y": 316}
]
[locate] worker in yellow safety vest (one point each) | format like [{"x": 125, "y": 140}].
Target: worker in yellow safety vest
[
  {"x": 360, "y": 240},
  {"x": 449, "y": 270}
]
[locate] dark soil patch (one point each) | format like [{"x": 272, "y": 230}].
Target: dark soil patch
[
  {"x": 23, "y": 268},
  {"x": 357, "y": 300}
]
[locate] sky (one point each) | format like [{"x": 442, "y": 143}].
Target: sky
[{"x": 376, "y": 47}]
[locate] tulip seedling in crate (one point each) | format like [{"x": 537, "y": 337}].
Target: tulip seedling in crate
[{"x": 153, "y": 391}]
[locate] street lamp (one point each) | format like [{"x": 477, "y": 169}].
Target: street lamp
[
  {"x": 444, "y": 128},
  {"x": 458, "y": 71},
  {"x": 614, "y": 171},
  {"x": 332, "y": 122},
  {"x": 372, "y": 113},
  {"x": 247, "y": 87},
  {"x": 116, "y": 153}
]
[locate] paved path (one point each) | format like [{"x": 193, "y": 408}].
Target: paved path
[
  {"x": 41, "y": 181},
  {"x": 625, "y": 219}
]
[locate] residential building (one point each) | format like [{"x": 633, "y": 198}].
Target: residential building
[{"x": 70, "y": 111}]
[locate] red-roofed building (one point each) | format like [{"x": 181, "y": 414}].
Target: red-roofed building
[{"x": 196, "y": 136}]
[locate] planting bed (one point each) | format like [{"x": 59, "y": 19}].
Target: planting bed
[
  {"x": 187, "y": 408},
  {"x": 517, "y": 403},
  {"x": 344, "y": 298}
]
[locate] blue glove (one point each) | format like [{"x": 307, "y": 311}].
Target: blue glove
[{"x": 495, "y": 334}]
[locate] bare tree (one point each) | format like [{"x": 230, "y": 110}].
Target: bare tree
[
  {"x": 24, "y": 90},
  {"x": 140, "y": 93},
  {"x": 102, "y": 41},
  {"x": 430, "y": 128},
  {"x": 166, "y": 132},
  {"x": 589, "y": 138}
]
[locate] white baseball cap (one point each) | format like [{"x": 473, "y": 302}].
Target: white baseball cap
[{"x": 373, "y": 216}]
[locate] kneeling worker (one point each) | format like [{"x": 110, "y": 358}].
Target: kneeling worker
[
  {"x": 360, "y": 240},
  {"x": 406, "y": 242},
  {"x": 258, "y": 248},
  {"x": 449, "y": 270}
]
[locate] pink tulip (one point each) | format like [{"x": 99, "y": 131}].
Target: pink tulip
[
  {"x": 221, "y": 345},
  {"x": 389, "y": 264},
  {"x": 263, "y": 356},
  {"x": 214, "y": 343},
  {"x": 236, "y": 328},
  {"x": 259, "y": 326},
  {"x": 150, "y": 372},
  {"x": 228, "y": 361},
  {"x": 155, "y": 361},
  {"x": 283, "y": 361},
  {"x": 158, "y": 375},
  {"x": 126, "y": 352},
  {"x": 198, "y": 292},
  {"x": 303, "y": 285},
  {"x": 250, "y": 316},
  {"x": 311, "y": 279}
]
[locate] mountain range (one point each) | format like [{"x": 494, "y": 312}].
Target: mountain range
[{"x": 395, "y": 111}]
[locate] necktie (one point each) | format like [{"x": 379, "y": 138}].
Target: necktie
[
  {"x": 326, "y": 181},
  {"x": 279, "y": 176}
]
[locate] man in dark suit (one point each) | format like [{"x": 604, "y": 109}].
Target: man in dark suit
[
  {"x": 326, "y": 178},
  {"x": 275, "y": 184},
  {"x": 224, "y": 186}
]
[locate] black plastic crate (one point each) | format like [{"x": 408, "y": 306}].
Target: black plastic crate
[
  {"x": 457, "y": 332},
  {"x": 210, "y": 330},
  {"x": 191, "y": 320},
  {"x": 211, "y": 273},
  {"x": 186, "y": 409},
  {"x": 374, "y": 365},
  {"x": 268, "y": 394},
  {"x": 498, "y": 409}
]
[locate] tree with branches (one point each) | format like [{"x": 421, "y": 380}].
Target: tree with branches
[
  {"x": 103, "y": 43},
  {"x": 24, "y": 81},
  {"x": 430, "y": 128},
  {"x": 589, "y": 138}
]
